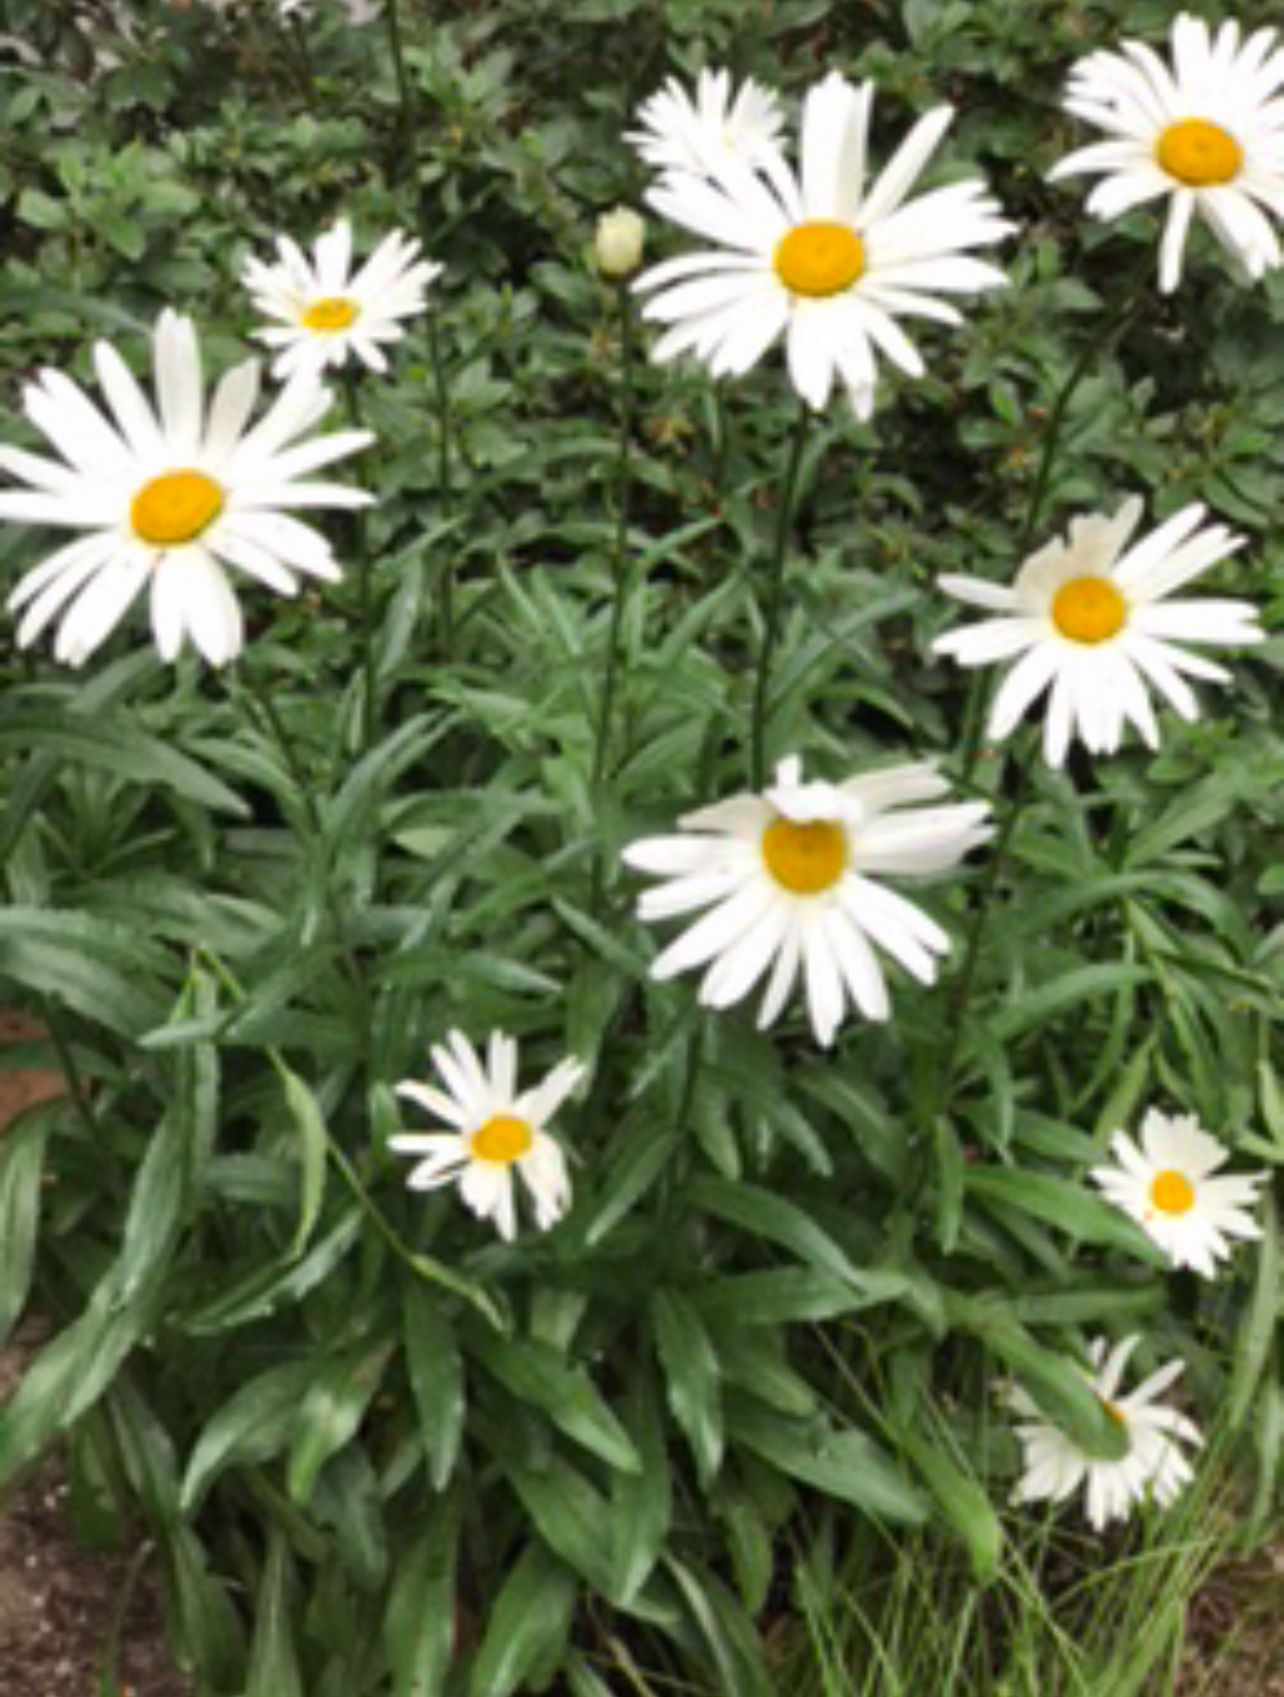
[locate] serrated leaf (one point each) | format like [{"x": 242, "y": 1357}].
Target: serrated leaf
[
  {"x": 527, "y": 1625},
  {"x": 334, "y": 1405},
  {"x": 535, "y": 1373},
  {"x": 435, "y": 1367},
  {"x": 1064, "y": 1205},
  {"x": 847, "y": 1465},
  {"x": 692, "y": 1378}
]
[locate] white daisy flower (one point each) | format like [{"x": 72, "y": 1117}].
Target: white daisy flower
[
  {"x": 1095, "y": 623},
  {"x": 1208, "y": 133},
  {"x": 325, "y": 313},
  {"x": 496, "y": 1130},
  {"x": 1165, "y": 1183},
  {"x": 170, "y": 498},
  {"x": 681, "y": 134},
  {"x": 1153, "y": 1467},
  {"x": 788, "y": 876},
  {"x": 820, "y": 258}
]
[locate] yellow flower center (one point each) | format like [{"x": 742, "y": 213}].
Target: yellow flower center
[
  {"x": 805, "y": 859},
  {"x": 1088, "y": 609},
  {"x": 1114, "y": 1411},
  {"x": 1172, "y": 1192},
  {"x": 331, "y": 312},
  {"x": 1199, "y": 153},
  {"x": 502, "y": 1139},
  {"x": 175, "y": 507},
  {"x": 819, "y": 258}
]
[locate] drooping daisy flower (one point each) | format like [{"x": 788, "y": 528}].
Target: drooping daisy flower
[
  {"x": 820, "y": 259},
  {"x": 1153, "y": 1466},
  {"x": 496, "y": 1130},
  {"x": 681, "y": 134},
  {"x": 170, "y": 498},
  {"x": 1096, "y": 624},
  {"x": 1165, "y": 1183},
  {"x": 790, "y": 878},
  {"x": 325, "y": 314},
  {"x": 1208, "y": 133}
]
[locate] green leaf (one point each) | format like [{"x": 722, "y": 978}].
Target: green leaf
[
  {"x": 1036, "y": 1007},
  {"x": 1064, "y": 1205},
  {"x": 22, "y": 1158},
  {"x": 537, "y": 1374},
  {"x": 256, "y": 1422},
  {"x": 420, "y": 1624},
  {"x": 846, "y": 1465},
  {"x": 527, "y": 1626},
  {"x": 309, "y": 1123},
  {"x": 1258, "y": 1322},
  {"x": 436, "y": 1371},
  {"x": 963, "y": 1502},
  {"x": 568, "y": 1513},
  {"x": 107, "y": 973},
  {"x": 112, "y": 742},
  {"x": 692, "y": 1378},
  {"x": 791, "y": 1293},
  {"x": 274, "y": 1661},
  {"x": 629, "y": 1178},
  {"x": 733, "y": 1642},
  {"x": 642, "y": 1502},
  {"x": 333, "y": 1409},
  {"x": 768, "y": 1215}
]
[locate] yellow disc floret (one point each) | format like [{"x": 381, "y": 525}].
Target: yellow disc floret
[
  {"x": 175, "y": 508},
  {"x": 819, "y": 258},
  {"x": 1199, "y": 153},
  {"x": 503, "y": 1139},
  {"x": 1089, "y": 609},
  {"x": 1172, "y": 1192},
  {"x": 805, "y": 859},
  {"x": 331, "y": 312}
]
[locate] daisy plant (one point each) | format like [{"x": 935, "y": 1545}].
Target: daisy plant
[
  {"x": 1154, "y": 1465},
  {"x": 1165, "y": 1181},
  {"x": 791, "y": 881},
  {"x": 497, "y": 1132},
  {"x": 1205, "y": 132},
  {"x": 1089, "y": 619},
  {"x": 169, "y": 497},
  {"x": 326, "y": 313}
]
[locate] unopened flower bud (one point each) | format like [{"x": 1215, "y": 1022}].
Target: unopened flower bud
[{"x": 617, "y": 245}]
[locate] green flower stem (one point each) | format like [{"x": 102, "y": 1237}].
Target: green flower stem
[
  {"x": 365, "y": 590},
  {"x": 405, "y": 115},
  {"x": 775, "y": 599},
  {"x": 441, "y": 392},
  {"x": 621, "y": 575}
]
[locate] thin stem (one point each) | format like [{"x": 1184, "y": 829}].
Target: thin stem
[
  {"x": 775, "y": 588},
  {"x": 622, "y": 576},
  {"x": 441, "y": 393},
  {"x": 619, "y": 551},
  {"x": 365, "y": 591},
  {"x": 405, "y": 116}
]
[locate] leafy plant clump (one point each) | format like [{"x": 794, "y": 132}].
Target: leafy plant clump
[{"x": 796, "y": 1300}]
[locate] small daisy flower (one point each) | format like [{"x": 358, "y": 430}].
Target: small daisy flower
[
  {"x": 496, "y": 1130},
  {"x": 789, "y": 877},
  {"x": 696, "y": 136},
  {"x": 327, "y": 314},
  {"x": 821, "y": 259},
  {"x": 1095, "y": 623},
  {"x": 1208, "y": 133},
  {"x": 1165, "y": 1183},
  {"x": 1153, "y": 1467},
  {"x": 169, "y": 498}
]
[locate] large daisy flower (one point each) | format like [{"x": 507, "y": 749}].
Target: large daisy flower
[
  {"x": 1207, "y": 132},
  {"x": 1154, "y": 1464},
  {"x": 326, "y": 313},
  {"x": 496, "y": 1131},
  {"x": 821, "y": 258},
  {"x": 1095, "y": 623},
  {"x": 170, "y": 497},
  {"x": 790, "y": 879},
  {"x": 682, "y": 134},
  {"x": 1166, "y": 1184}
]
